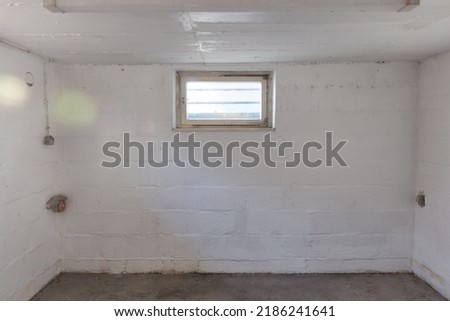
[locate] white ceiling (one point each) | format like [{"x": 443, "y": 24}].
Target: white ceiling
[{"x": 227, "y": 31}]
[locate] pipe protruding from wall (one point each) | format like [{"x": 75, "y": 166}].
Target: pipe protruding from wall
[{"x": 57, "y": 203}]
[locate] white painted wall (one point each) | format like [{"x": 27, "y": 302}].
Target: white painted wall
[
  {"x": 28, "y": 232},
  {"x": 432, "y": 227},
  {"x": 359, "y": 218}
]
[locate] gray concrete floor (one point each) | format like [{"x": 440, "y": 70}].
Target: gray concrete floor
[{"x": 239, "y": 287}]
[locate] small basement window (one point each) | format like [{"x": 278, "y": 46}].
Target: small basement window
[{"x": 224, "y": 100}]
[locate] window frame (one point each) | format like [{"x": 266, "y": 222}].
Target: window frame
[{"x": 267, "y": 102}]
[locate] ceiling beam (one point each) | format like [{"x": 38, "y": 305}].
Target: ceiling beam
[
  {"x": 226, "y": 5},
  {"x": 52, "y": 6},
  {"x": 410, "y": 5}
]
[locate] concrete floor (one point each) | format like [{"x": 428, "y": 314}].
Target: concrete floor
[{"x": 239, "y": 287}]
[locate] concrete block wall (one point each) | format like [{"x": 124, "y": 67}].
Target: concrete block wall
[
  {"x": 354, "y": 219},
  {"x": 29, "y": 237},
  {"x": 432, "y": 223},
  {"x": 351, "y": 219}
]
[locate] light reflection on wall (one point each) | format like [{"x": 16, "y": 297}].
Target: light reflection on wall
[
  {"x": 74, "y": 107},
  {"x": 14, "y": 92}
]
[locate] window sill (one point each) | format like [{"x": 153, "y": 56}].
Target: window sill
[{"x": 223, "y": 129}]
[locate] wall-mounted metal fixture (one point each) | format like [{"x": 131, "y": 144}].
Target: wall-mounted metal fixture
[
  {"x": 420, "y": 199},
  {"x": 57, "y": 203},
  {"x": 49, "y": 140},
  {"x": 29, "y": 79}
]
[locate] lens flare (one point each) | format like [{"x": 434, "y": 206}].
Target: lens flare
[
  {"x": 13, "y": 91},
  {"x": 74, "y": 107}
]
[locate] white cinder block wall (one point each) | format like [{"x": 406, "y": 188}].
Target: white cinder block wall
[
  {"x": 226, "y": 220},
  {"x": 28, "y": 233},
  {"x": 432, "y": 232},
  {"x": 359, "y": 218}
]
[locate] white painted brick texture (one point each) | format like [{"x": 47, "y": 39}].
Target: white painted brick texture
[
  {"x": 358, "y": 218},
  {"x": 29, "y": 239},
  {"x": 432, "y": 223}
]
